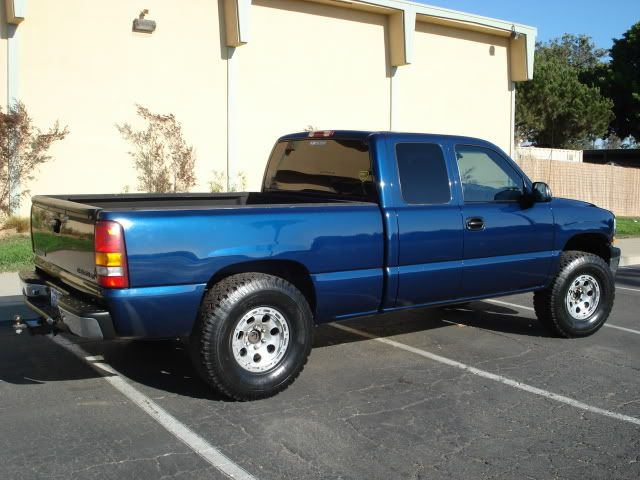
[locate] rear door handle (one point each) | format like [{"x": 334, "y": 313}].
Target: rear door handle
[{"x": 475, "y": 223}]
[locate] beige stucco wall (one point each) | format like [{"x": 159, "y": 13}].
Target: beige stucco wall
[
  {"x": 458, "y": 84},
  {"x": 3, "y": 58},
  {"x": 87, "y": 68},
  {"x": 308, "y": 64},
  {"x": 305, "y": 63}
]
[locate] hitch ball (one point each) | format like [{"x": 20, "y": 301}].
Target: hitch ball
[{"x": 18, "y": 324}]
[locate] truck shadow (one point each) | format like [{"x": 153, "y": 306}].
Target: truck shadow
[
  {"x": 34, "y": 360},
  {"x": 628, "y": 277},
  {"x": 480, "y": 315},
  {"x": 165, "y": 366}
]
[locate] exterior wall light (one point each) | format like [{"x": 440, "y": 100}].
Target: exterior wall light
[{"x": 143, "y": 25}]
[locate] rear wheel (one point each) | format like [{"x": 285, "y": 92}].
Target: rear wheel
[
  {"x": 580, "y": 297},
  {"x": 253, "y": 336}
]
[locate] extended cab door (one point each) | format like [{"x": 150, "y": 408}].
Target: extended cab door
[
  {"x": 508, "y": 243},
  {"x": 429, "y": 223}
]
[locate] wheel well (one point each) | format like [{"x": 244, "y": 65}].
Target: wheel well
[
  {"x": 293, "y": 272},
  {"x": 592, "y": 243}
]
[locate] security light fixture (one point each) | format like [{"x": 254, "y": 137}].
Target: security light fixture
[{"x": 143, "y": 25}]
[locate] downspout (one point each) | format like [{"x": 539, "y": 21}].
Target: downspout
[
  {"x": 231, "y": 117},
  {"x": 12, "y": 65},
  {"x": 392, "y": 99},
  {"x": 15, "y": 13},
  {"x": 236, "y": 17},
  {"x": 512, "y": 153},
  {"x": 512, "y": 101}
]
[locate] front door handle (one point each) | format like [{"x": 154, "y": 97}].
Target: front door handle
[{"x": 475, "y": 223}]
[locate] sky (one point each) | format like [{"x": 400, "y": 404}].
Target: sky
[{"x": 602, "y": 20}]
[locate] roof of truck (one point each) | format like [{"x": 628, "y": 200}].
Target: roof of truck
[{"x": 364, "y": 134}]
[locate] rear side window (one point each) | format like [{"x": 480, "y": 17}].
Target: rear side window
[{"x": 423, "y": 173}]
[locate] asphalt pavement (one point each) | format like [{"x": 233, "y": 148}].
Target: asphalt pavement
[{"x": 459, "y": 393}]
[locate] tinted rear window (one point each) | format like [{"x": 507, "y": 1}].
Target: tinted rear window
[
  {"x": 318, "y": 165},
  {"x": 423, "y": 173}
]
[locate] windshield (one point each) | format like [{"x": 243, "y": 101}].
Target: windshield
[{"x": 314, "y": 165}]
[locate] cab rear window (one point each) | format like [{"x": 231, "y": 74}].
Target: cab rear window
[{"x": 339, "y": 167}]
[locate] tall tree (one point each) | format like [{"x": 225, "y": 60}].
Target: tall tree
[
  {"x": 578, "y": 51},
  {"x": 623, "y": 85},
  {"x": 556, "y": 109}
]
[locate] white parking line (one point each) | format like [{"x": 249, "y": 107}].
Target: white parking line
[
  {"x": 618, "y": 287},
  {"x": 491, "y": 376},
  {"x": 183, "y": 433},
  {"x": 515, "y": 305},
  {"x": 509, "y": 304}
]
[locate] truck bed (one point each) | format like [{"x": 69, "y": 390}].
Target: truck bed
[
  {"x": 183, "y": 239},
  {"x": 146, "y": 201}
]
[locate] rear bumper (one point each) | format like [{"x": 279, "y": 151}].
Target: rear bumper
[
  {"x": 614, "y": 260},
  {"x": 61, "y": 310},
  {"x": 150, "y": 312}
]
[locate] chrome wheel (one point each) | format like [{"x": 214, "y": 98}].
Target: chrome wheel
[
  {"x": 260, "y": 339},
  {"x": 583, "y": 297}
]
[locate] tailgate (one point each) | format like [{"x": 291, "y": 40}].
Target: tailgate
[{"x": 63, "y": 242}]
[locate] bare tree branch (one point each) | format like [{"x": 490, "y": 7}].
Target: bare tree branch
[
  {"x": 165, "y": 163},
  {"x": 23, "y": 148}
]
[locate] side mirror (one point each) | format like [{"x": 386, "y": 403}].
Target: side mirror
[{"x": 541, "y": 192}]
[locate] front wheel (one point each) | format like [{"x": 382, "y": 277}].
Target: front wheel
[
  {"x": 253, "y": 336},
  {"x": 580, "y": 297}
]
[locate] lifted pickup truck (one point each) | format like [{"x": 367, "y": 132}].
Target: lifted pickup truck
[{"x": 347, "y": 224}]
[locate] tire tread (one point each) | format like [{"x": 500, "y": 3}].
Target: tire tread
[
  {"x": 215, "y": 308},
  {"x": 545, "y": 301}
]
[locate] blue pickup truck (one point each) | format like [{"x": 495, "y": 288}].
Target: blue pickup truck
[{"x": 347, "y": 224}]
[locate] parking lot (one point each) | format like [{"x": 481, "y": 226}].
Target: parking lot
[{"x": 474, "y": 392}]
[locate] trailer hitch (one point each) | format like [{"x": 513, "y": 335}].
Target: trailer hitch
[
  {"x": 35, "y": 327},
  {"x": 18, "y": 325}
]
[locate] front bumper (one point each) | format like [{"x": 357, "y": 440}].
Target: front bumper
[
  {"x": 61, "y": 309},
  {"x": 614, "y": 260}
]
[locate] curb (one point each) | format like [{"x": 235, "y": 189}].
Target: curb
[
  {"x": 628, "y": 261},
  {"x": 9, "y": 284}
]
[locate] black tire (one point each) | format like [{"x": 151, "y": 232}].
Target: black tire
[
  {"x": 551, "y": 306},
  {"x": 222, "y": 309}
]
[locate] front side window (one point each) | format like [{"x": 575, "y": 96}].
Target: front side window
[
  {"x": 423, "y": 173},
  {"x": 486, "y": 176}
]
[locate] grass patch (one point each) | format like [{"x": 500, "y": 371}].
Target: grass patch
[
  {"x": 15, "y": 253},
  {"x": 628, "y": 226}
]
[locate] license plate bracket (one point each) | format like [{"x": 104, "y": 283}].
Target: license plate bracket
[{"x": 54, "y": 296}]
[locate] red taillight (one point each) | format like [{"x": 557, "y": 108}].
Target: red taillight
[
  {"x": 111, "y": 255},
  {"x": 321, "y": 134}
]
